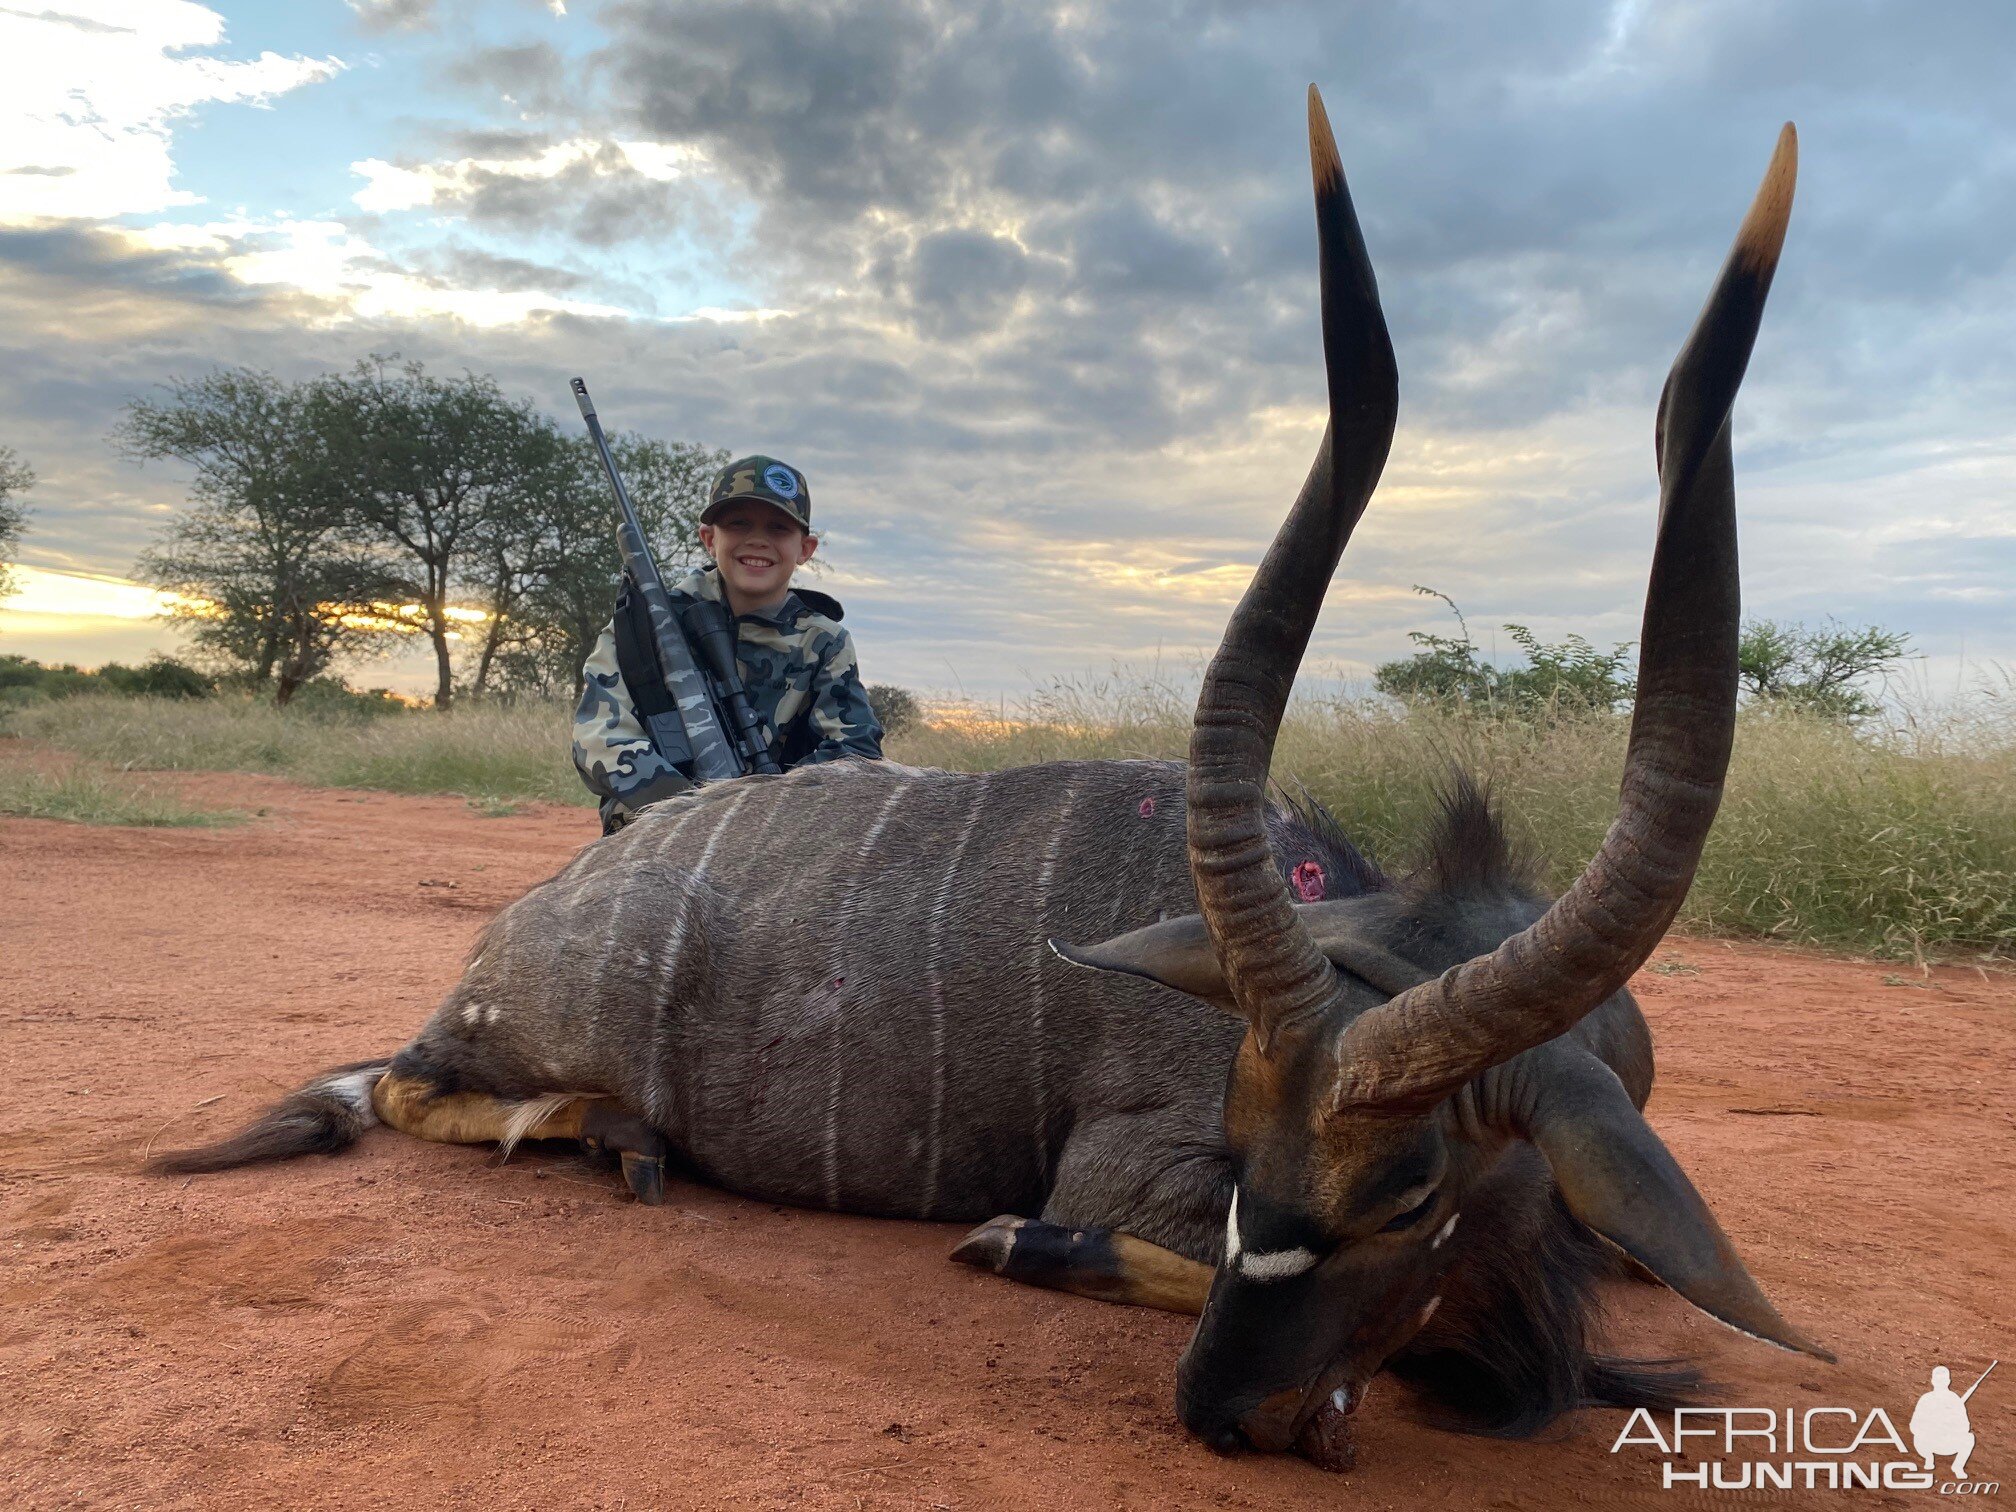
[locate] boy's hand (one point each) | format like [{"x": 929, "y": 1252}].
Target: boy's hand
[{"x": 619, "y": 811}]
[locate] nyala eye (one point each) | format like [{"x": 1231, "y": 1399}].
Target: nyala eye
[{"x": 1409, "y": 1218}]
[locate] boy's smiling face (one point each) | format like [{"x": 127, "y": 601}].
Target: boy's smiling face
[{"x": 757, "y": 547}]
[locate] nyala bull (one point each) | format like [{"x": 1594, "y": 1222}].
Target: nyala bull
[{"x": 1353, "y": 1121}]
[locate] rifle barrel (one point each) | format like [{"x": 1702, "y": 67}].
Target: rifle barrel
[
  {"x": 714, "y": 756},
  {"x": 1979, "y": 1379},
  {"x": 601, "y": 441}
]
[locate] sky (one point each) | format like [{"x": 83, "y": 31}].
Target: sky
[{"x": 1028, "y": 290}]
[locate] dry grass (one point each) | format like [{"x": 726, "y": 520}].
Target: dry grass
[
  {"x": 83, "y": 796},
  {"x": 491, "y": 754},
  {"x": 1901, "y": 842}
]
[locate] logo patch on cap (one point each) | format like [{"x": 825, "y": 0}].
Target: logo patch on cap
[{"x": 779, "y": 480}]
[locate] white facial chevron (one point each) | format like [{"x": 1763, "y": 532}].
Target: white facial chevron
[{"x": 1261, "y": 1265}]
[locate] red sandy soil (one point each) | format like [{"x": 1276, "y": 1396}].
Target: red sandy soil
[{"x": 411, "y": 1324}]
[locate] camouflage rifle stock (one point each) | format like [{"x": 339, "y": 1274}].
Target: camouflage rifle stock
[{"x": 690, "y": 735}]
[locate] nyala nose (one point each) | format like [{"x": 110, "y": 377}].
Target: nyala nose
[
  {"x": 1216, "y": 1429},
  {"x": 1227, "y": 1440},
  {"x": 1270, "y": 1427},
  {"x": 1209, "y": 1419}
]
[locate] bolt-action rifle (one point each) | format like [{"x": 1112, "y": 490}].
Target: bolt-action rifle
[{"x": 710, "y": 732}]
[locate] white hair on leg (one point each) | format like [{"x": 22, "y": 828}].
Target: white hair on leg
[{"x": 528, "y": 1115}]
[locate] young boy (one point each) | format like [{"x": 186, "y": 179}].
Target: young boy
[{"x": 796, "y": 662}]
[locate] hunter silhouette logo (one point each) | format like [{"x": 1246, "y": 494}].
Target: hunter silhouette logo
[
  {"x": 1816, "y": 1448},
  {"x": 1939, "y": 1425}
]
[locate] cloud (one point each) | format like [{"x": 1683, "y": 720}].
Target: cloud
[
  {"x": 472, "y": 267},
  {"x": 80, "y": 271},
  {"x": 599, "y": 193},
  {"x": 532, "y": 77},
  {"x": 89, "y": 97},
  {"x": 963, "y": 282},
  {"x": 1030, "y": 292},
  {"x": 394, "y": 15},
  {"x": 329, "y": 263}
]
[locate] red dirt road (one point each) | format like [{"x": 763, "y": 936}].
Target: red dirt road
[{"x": 412, "y": 1325}]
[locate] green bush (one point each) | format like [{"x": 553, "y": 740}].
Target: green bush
[
  {"x": 896, "y": 709},
  {"x": 332, "y": 697},
  {"x": 1818, "y": 671},
  {"x": 1561, "y": 678},
  {"x": 160, "y": 677},
  {"x": 23, "y": 679}
]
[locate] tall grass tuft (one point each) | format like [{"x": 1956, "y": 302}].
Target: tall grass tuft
[
  {"x": 1899, "y": 841},
  {"x": 87, "y": 797},
  {"x": 492, "y": 752}
]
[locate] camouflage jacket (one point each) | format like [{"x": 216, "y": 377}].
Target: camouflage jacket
[{"x": 797, "y": 665}]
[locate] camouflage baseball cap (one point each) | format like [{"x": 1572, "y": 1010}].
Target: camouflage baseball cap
[{"x": 766, "y": 480}]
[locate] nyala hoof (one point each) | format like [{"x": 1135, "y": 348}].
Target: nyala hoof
[
  {"x": 641, "y": 1148},
  {"x": 989, "y": 1246},
  {"x": 645, "y": 1176}
]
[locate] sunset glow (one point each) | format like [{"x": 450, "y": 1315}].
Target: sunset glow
[
  {"x": 52, "y": 600},
  {"x": 47, "y": 593}
]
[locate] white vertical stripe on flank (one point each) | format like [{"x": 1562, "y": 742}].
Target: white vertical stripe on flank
[
  {"x": 762, "y": 829},
  {"x": 673, "y": 827},
  {"x": 668, "y": 961},
  {"x": 673, "y": 943},
  {"x": 727, "y": 818},
  {"x": 1037, "y": 1061},
  {"x": 663, "y": 1025},
  {"x": 833, "y": 1089},
  {"x": 605, "y": 955},
  {"x": 935, "y": 988},
  {"x": 903, "y": 785}
]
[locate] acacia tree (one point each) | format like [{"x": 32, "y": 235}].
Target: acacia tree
[
  {"x": 512, "y": 542},
  {"x": 1795, "y": 666},
  {"x": 567, "y": 564},
  {"x": 433, "y": 459},
  {"x": 16, "y": 477},
  {"x": 1560, "y": 677},
  {"x": 268, "y": 568},
  {"x": 385, "y": 486}
]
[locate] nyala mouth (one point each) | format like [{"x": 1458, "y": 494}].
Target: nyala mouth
[
  {"x": 1326, "y": 1440},
  {"x": 1333, "y": 1395}
]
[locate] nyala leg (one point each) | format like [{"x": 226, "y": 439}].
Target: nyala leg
[
  {"x": 1088, "y": 1262},
  {"x": 640, "y": 1148},
  {"x": 415, "y": 1105}
]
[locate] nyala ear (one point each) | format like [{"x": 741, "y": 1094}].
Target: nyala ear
[
  {"x": 1619, "y": 1179},
  {"x": 1176, "y": 952}
]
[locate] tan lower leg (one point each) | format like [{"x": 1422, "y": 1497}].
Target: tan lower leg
[
  {"x": 471, "y": 1117},
  {"x": 1151, "y": 1276}
]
